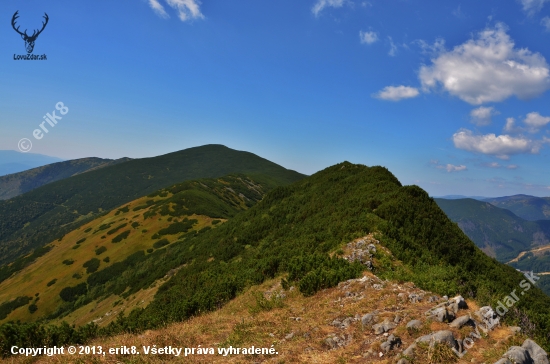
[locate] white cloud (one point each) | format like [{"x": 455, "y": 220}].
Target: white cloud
[
  {"x": 498, "y": 165},
  {"x": 488, "y": 69},
  {"x": 532, "y": 7},
  {"x": 396, "y": 93},
  {"x": 453, "y": 168},
  {"x": 501, "y": 146},
  {"x": 393, "y": 48},
  {"x": 482, "y": 115},
  {"x": 448, "y": 167},
  {"x": 158, "y": 8},
  {"x": 545, "y": 22},
  {"x": 536, "y": 121},
  {"x": 434, "y": 50},
  {"x": 511, "y": 127},
  {"x": 321, "y": 4},
  {"x": 187, "y": 9},
  {"x": 368, "y": 37}
]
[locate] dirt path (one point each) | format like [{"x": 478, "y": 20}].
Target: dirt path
[{"x": 546, "y": 247}]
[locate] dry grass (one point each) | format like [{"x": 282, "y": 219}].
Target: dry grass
[
  {"x": 297, "y": 327},
  {"x": 34, "y": 278}
]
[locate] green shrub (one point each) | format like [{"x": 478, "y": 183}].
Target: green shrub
[
  {"x": 159, "y": 244},
  {"x": 114, "y": 230},
  {"x": 91, "y": 265},
  {"x": 216, "y": 222},
  {"x": 68, "y": 261},
  {"x": 88, "y": 230},
  {"x": 100, "y": 250},
  {"x": 33, "y": 308},
  {"x": 52, "y": 282},
  {"x": 70, "y": 294},
  {"x": 81, "y": 241},
  {"x": 121, "y": 236},
  {"x": 106, "y": 259}
]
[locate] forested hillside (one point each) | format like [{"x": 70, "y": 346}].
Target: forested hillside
[
  {"x": 37, "y": 217},
  {"x": 296, "y": 233}
]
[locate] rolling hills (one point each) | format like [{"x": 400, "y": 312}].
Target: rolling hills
[
  {"x": 14, "y": 162},
  {"x": 298, "y": 234},
  {"x": 18, "y": 183},
  {"x": 33, "y": 219},
  {"x": 527, "y": 207},
  {"x": 497, "y": 231},
  {"x": 143, "y": 225}
]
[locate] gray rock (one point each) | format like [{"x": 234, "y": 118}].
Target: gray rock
[
  {"x": 397, "y": 319},
  {"x": 433, "y": 299},
  {"x": 461, "y": 321},
  {"x": 289, "y": 336},
  {"x": 441, "y": 337},
  {"x": 442, "y": 314},
  {"x": 457, "y": 303},
  {"x": 518, "y": 355},
  {"x": 369, "y": 319},
  {"x": 515, "y": 329},
  {"x": 392, "y": 342},
  {"x": 331, "y": 343},
  {"x": 414, "y": 324},
  {"x": 403, "y": 361},
  {"x": 402, "y": 296},
  {"x": 409, "y": 352},
  {"x": 538, "y": 354},
  {"x": 383, "y": 327},
  {"x": 415, "y": 298},
  {"x": 504, "y": 361}
]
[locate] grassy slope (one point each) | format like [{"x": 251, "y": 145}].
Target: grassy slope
[
  {"x": 292, "y": 230},
  {"x": 35, "y": 218},
  {"x": 249, "y": 320},
  {"x": 527, "y": 207},
  {"x": 203, "y": 200},
  {"x": 499, "y": 232}
]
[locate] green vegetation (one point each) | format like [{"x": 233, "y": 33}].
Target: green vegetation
[
  {"x": 88, "y": 230},
  {"x": 91, "y": 265},
  {"x": 100, "y": 250},
  {"x": 112, "y": 231},
  {"x": 121, "y": 236},
  {"x": 178, "y": 227},
  {"x": 36, "y": 177},
  {"x": 7, "y": 270},
  {"x": 292, "y": 232},
  {"x": 106, "y": 259},
  {"x": 80, "y": 241},
  {"x": 70, "y": 294},
  {"x": 7, "y": 307},
  {"x": 42, "y": 215},
  {"x": 52, "y": 282},
  {"x": 33, "y": 308},
  {"x": 159, "y": 244},
  {"x": 68, "y": 261},
  {"x": 527, "y": 207},
  {"x": 495, "y": 228}
]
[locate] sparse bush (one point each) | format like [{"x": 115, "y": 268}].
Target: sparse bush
[
  {"x": 91, "y": 265},
  {"x": 100, "y": 250},
  {"x": 68, "y": 261},
  {"x": 121, "y": 236},
  {"x": 52, "y": 282},
  {"x": 159, "y": 244},
  {"x": 81, "y": 241}
]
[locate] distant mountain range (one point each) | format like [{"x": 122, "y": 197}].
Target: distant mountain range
[
  {"x": 13, "y": 162},
  {"x": 527, "y": 207},
  {"x": 35, "y": 218},
  {"x": 17, "y": 183},
  {"x": 498, "y": 232}
]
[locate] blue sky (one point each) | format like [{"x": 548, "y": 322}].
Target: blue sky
[{"x": 450, "y": 95}]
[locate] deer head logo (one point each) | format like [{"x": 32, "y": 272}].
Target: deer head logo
[{"x": 29, "y": 40}]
